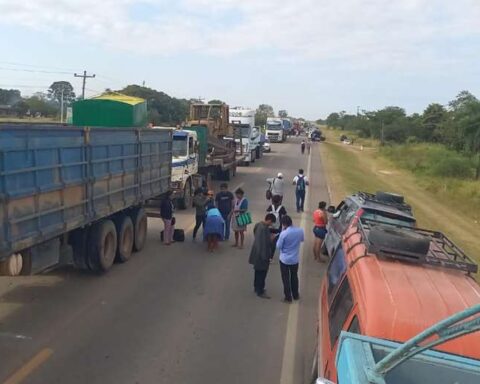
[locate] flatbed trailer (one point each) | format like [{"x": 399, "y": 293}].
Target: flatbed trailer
[{"x": 75, "y": 194}]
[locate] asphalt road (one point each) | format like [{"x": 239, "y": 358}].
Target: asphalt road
[{"x": 171, "y": 314}]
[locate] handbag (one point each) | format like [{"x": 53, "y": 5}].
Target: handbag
[
  {"x": 244, "y": 219},
  {"x": 174, "y": 221}
]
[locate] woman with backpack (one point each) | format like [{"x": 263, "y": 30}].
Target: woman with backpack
[
  {"x": 278, "y": 210},
  {"x": 300, "y": 181}
]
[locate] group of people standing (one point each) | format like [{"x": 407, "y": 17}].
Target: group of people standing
[{"x": 218, "y": 214}]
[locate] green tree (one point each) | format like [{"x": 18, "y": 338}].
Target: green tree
[
  {"x": 262, "y": 113},
  {"x": 9, "y": 96},
  {"x": 44, "y": 107},
  {"x": 432, "y": 119},
  {"x": 57, "y": 88},
  {"x": 468, "y": 121},
  {"x": 283, "y": 114},
  {"x": 162, "y": 109},
  {"x": 20, "y": 108},
  {"x": 215, "y": 101},
  {"x": 333, "y": 120}
]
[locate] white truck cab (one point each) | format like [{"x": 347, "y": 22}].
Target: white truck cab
[
  {"x": 185, "y": 159},
  {"x": 243, "y": 122},
  {"x": 275, "y": 130}
]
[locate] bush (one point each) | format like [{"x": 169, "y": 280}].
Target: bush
[
  {"x": 431, "y": 160},
  {"x": 452, "y": 166}
]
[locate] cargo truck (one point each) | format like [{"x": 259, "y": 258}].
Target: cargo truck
[
  {"x": 218, "y": 157},
  {"x": 76, "y": 195},
  {"x": 275, "y": 131},
  {"x": 243, "y": 123}
]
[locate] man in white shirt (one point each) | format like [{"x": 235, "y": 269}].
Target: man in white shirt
[
  {"x": 276, "y": 186},
  {"x": 300, "y": 181}
]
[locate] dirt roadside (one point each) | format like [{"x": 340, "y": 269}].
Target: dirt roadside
[{"x": 340, "y": 161}]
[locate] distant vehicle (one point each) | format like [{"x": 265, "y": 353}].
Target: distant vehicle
[
  {"x": 383, "y": 207},
  {"x": 243, "y": 123},
  {"x": 316, "y": 136},
  {"x": 391, "y": 281},
  {"x": 266, "y": 146},
  {"x": 275, "y": 131},
  {"x": 412, "y": 362}
]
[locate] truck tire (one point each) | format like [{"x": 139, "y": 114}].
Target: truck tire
[
  {"x": 126, "y": 238},
  {"x": 185, "y": 202},
  {"x": 253, "y": 156},
  {"x": 388, "y": 197},
  {"x": 140, "y": 225},
  {"x": 102, "y": 246},
  {"x": 78, "y": 239},
  {"x": 12, "y": 265},
  {"x": 399, "y": 239}
]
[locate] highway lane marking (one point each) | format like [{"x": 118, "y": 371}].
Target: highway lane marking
[
  {"x": 287, "y": 375},
  {"x": 26, "y": 369},
  {"x": 190, "y": 228}
]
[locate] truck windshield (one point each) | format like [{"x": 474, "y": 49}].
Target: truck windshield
[
  {"x": 179, "y": 146},
  {"x": 244, "y": 130},
  {"x": 271, "y": 127}
]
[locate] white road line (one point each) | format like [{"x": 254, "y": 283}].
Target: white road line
[{"x": 287, "y": 375}]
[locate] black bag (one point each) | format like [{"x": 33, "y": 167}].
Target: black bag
[
  {"x": 179, "y": 235},
  {"x": 174, "y": 221}
]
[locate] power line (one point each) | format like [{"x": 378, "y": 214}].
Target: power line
[
  {"x": 10, "y": 63},
  {"x": 34, "y": 71}
]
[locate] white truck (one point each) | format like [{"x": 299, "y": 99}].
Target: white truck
[
  {"x": 243, "y": 122},
  {"x": 275, "y": 131}
]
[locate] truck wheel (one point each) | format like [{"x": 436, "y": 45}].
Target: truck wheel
[
  {"x": 102, "y": 246},
  {"x": 12, "y": 265},
  {"x": 126, "y": 237},
  {"x": 186, "y": 201},
  {"x": 78, "y": 239},
  {"x": 139, "y": 219}
]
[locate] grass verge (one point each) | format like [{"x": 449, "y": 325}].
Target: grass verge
[{"x": 350, "y": 169}]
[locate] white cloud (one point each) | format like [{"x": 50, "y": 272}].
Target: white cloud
[{"x": 360, "y": 33}]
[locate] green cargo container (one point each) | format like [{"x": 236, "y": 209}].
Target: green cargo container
[
  {"x": 110, "y": 110},
  {"x": 202, "y": 137}
]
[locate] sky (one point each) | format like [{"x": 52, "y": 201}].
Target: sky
[{"x": 310, "y": 57}]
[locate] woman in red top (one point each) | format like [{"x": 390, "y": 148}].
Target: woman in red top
[{"x": 320, "y": 220}]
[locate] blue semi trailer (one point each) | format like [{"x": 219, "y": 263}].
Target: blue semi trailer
[{"x": 77, "y": 195}]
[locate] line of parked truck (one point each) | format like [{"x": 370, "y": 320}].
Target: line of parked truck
[{"x": 81, "y": 194}]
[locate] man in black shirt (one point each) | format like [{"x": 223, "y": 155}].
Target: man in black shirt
[{"x": 225, "y": 201}]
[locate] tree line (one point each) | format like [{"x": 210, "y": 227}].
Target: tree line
[
  {"x": 162, "y": 109},
  {"x": 456, "y": 125}
]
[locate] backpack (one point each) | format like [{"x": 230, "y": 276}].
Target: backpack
[
  {"x": 276, "y": 212},
  {"x": 301, "y": 183}
]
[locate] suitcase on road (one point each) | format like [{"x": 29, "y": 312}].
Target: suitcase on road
[{"x": 179, "y": 235}]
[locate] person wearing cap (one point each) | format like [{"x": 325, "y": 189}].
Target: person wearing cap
[{"x": 277, "y": 186}]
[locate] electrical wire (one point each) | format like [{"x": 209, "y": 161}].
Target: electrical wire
[
  {"x": 9, "y": 63},
  {"x": 35, "y": 71}
]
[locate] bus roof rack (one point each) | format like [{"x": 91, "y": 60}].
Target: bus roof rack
[
  {"x": 374, "y": 198},
  {"x": 440, "y": 250}
]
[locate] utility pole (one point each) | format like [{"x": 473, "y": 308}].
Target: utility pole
[
  {"x": 61, "y": 106},
  {"x": 85, "y": 77},
  {"x": 382, "y": 135}
]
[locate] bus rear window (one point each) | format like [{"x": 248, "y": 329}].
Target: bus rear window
[{"x": 388, "y": 218}]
